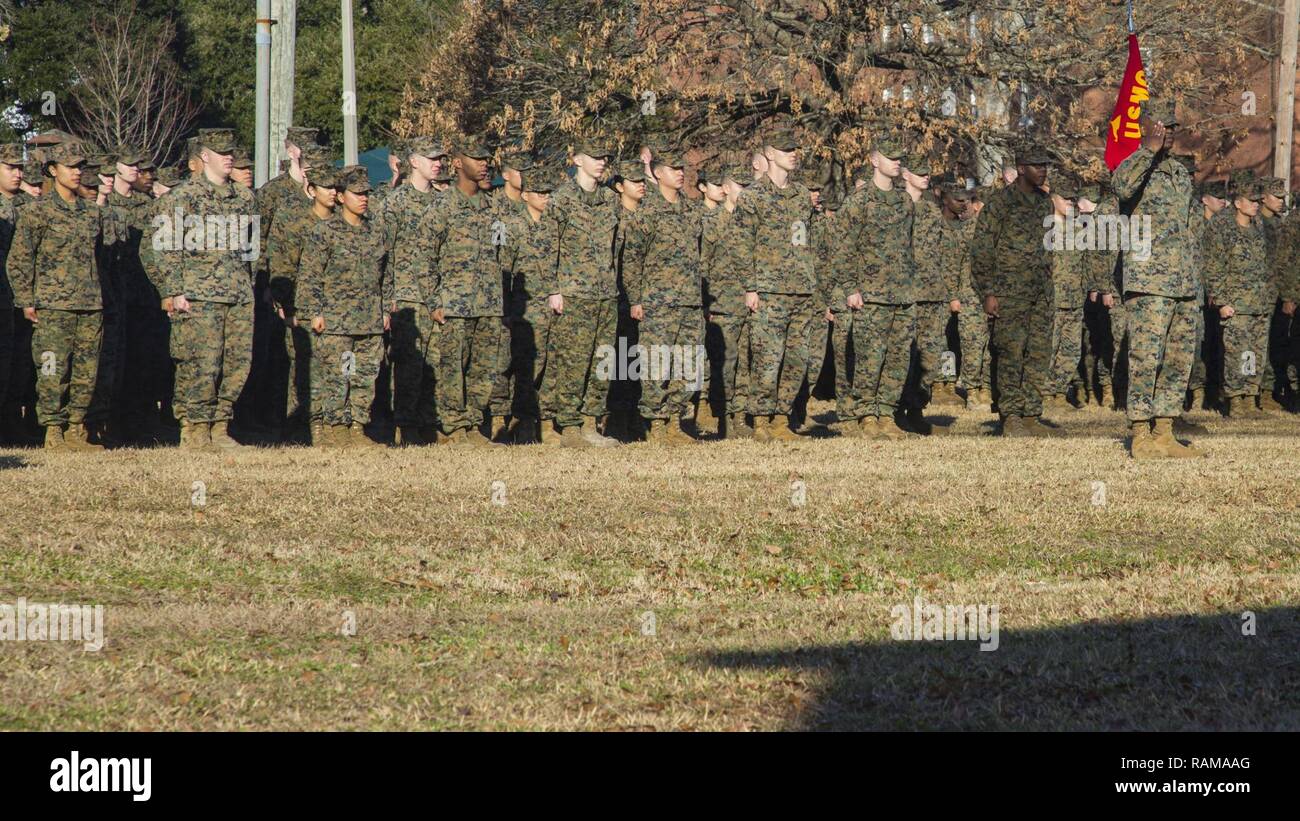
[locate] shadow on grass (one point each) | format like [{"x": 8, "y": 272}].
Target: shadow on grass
[
  {"x": 11, "y": 462},
  {"x": 1175, "y": 673}
]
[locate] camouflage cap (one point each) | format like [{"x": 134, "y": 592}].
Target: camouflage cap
[
  {"x": 1090, "y": 191},
  {"x": 1214, "y": 188},
  {"x": 739, "y": 174},
  {"x": 1032, "y": 153},
  {"x": 517, "y": 159},
  {"x": 242, "y": 160},
  {"x": 595, "y": 147},
  {"x": 128, "y": 154},
  {"x": 146, "y": 164},
  {"x": 355, "y": 178},
  {"x": 324, "y": 175},
  {"x": 89, "y": 173},
  {"x": 889, "y": 145},
  {"x": 542, "y": 178},
  {"x": 317, "y": 156},
  {"x": 1161, "y": 110},
  {"x": 633, "y": 170},
  {"x": 1241, "y": 181},
  {"x": 32, "y": 171},
  {"x": 220, "y": 140},
  {"x": 669, "y": 157},
  {"x": 920, "y": 165},
  {"x": 954, "y": 186},
  {"x": 474, "y": 148},
  {"x": 70, "y": 152},
  {"x": 422, "y": 147},
  {"x": 1274, "y": 186},
  {"x": 1065, "y": 186},
  {"x": 170, "y": 175},
  {"x": 192, "y": 147},
  {"x": 11, "y": 154},
  {"x": 445, "y": 174},
  {"x": 782, "y": 139},
  {"x": 302, "y": 137},
  {"x": 710, "y": 173},
  {"x": 105, "y": 164}
]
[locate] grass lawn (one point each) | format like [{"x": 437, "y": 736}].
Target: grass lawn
[{"x": 663, "y": 588}]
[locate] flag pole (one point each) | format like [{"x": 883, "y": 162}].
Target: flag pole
[{"x": 1130, "y": 16}]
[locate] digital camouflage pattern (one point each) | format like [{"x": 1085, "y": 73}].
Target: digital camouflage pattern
[
  {"x": 1238, "y": 273},
  {"x": 214, "y": 273},
  {"x": 1009, "y": 261}
]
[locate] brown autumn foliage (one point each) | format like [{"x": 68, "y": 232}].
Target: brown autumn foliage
[{"x": 961, "y": 80}]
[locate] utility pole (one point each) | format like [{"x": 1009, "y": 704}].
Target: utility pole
[
  {"x": 283, "y": 44},
  {"x": 349, "y": 89},
  {"x": 1283, "y": 141},
  {"x": 262, "y": 124}
]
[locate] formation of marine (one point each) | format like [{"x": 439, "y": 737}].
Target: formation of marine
[{"x": 595, "y": 302}]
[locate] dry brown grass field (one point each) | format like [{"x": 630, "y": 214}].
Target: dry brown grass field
[{"x": 530, "y": 611}]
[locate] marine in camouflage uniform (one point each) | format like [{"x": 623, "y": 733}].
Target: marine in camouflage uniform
[
  {"x": 824, "y": 224},
  {"x": 661, "y": 272},
  {"x": 1012, "y": 270},
  {"x": 507, "y": 201},
  {"x": 780, "y": 277},
  {"x": 344, "y": 286},
  {"x": 144, "y": 358},
  {"x": 214, "y": 337},
  {"x": 529, "y": 257},
  {"x": 1239, "y": 278},
  {"x": 11, "y": 156},
  {"x": 1070, "y": 285},
  {"x": 1209, "y": 339},
  {"x": 1161, "y": 288},
  {"x": 939, "y": 233},
  {"x": 53, "y": 270},
  {"x": 1103, "y": 325},
  {"x": 1272, "y": 215},
  {"x": 414, "y": 357},
  {"x": 972, "y": 323},
  {"x": 722, "y": 257},
  {"x": 879, "y": 270},
  {"x": 624, "y": 421},
  {"x": 456, "y": 264},
  {"x": 159, "y": 217},
  {"x": 586, "y": 223},
  {"x": 289, "y": 236},
  {"x": 98, "y": 180}
]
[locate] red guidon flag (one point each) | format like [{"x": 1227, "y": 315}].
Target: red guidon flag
[{"x": 1125, "y": 135}]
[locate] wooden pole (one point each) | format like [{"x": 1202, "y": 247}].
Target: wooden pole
[
  {"x": 1286, "y": 76},
  {"x": 349, "y": 89}
]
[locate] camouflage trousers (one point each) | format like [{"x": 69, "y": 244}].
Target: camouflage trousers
[
  {"x": 779, "y": 351},
  {"x": 502, "y": 400},
  {"x": 1022, "y": 340},
  {"x": 108, "y": 383},
  {"x": 727, "y": 341},
  {"x": 214, "y": 351},
  {"x": 1097, "y": 355},
  {"x": 66, "y": 353},
  {"x": 470, "y": 357},
  {"x": 415, "y": 362},
  {"x": 842, "y": 347},
  {"x": 1067, "y": 350},
  {"x": 571, "y": 389},
  {"x": 297, "y": 375},
  {"x": 973, "y": 332},
  {"x": 625, "y": 394},
  {"x": 882, "y": 351},
  {"x": 819, "y": 336},
  {"x": 1161, "y": 346},
  {"x": 673, "y": 362},
  {"x": 529, "y": 341},
  {"x": 345, "y": 368},
  {"x": 1245, "y": 353},
  {"x": 931, "y": 360},
  {"x": 1280, "y": 356}
]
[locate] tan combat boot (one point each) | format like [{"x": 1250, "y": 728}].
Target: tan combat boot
[
  {"x": 1198, "y": 399},
  {"x": 498, "y": 429},
  {"x": 77, "y": 437},
  {"x": 221, "y": 436},
  {"x": 1033, "y": 426},
  {"x": 1011, "y": 427},
  {"x": 943, "y": 394},
  {"x": 200, "y": 435},
  {"x": 336, "y": 436},
  {"x": 318, "y": 433},
  {"x": 357, "y": 438},
  {"x": 456, "y": 438},
  {"x": 762, "y": 429},
  {"x": 675, "y": 435},
  {"x": 1163, "y": 431},
  {"x": 54, "y": 438},
  {"x": 475, "y": 438},
  {"x": 1143, "y": 444},
  {"x": 571, "y": 437},
  {"x": 1103, "y": 395},
  {"x": 780, "y": 429},
  {"x": 705, "y": 420},
  {"x": 737, "y": 428},
  {"x": 1267, "y": 404},
  {"x": 886, "y": 427},
  {"x": 593, "y": 436},
  {"x": 977, "y": 401}
]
